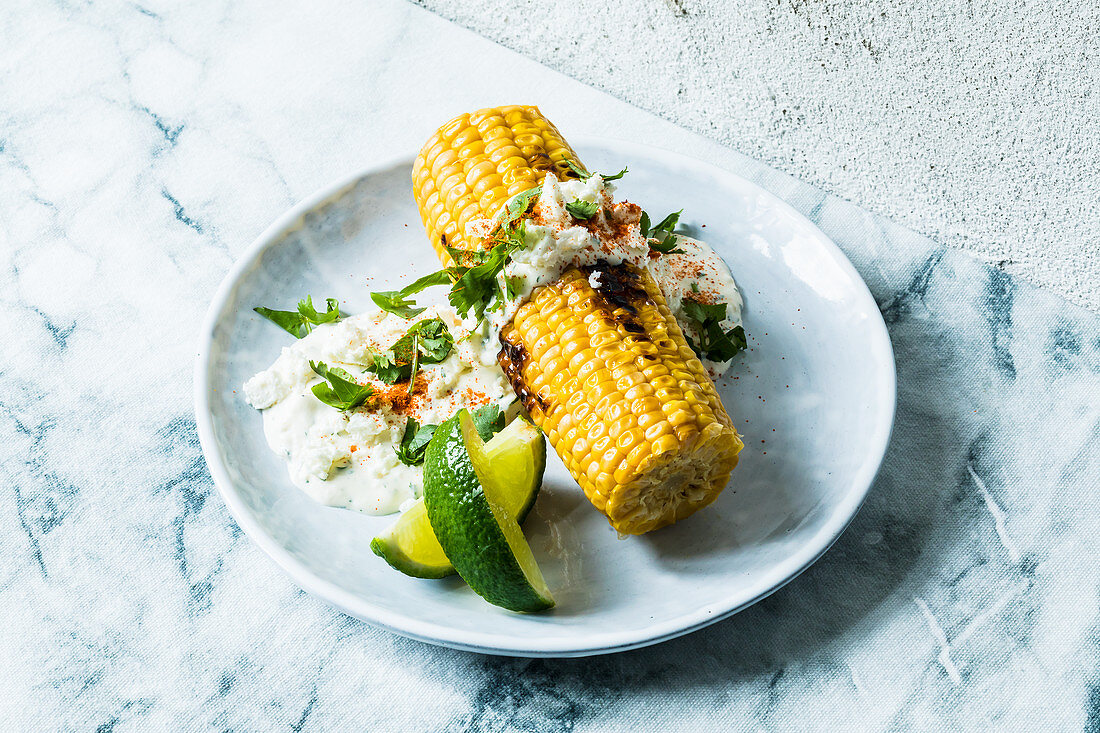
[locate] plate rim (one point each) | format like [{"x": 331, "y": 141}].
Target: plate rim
[{"x": 486, "y": 643}]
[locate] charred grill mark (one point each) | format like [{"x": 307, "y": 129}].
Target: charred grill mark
[
  {"x": 619, "y": 285},
  {"x": 512, "y": 358},
  {"x": 541, "y": 162},
  {"x": 621, "y": 290}
]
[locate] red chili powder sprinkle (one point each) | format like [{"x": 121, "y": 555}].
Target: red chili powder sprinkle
[
  {"x": 473, "y": 398},
  {"x": 397, "y": 395}
]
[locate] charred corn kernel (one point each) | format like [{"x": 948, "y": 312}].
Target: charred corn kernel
[{"x": 616, "y": 388}]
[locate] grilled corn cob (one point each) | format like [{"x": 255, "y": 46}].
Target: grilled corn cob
[{"x": 605, "y": 371}]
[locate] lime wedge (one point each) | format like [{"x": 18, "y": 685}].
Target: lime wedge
[
  {"x": 410, "y": 546},
  {"x": 466, "y": 499},
  {"x": 517, "y": 458}
]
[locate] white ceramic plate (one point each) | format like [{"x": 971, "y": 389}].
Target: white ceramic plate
[{"x": 814, "y": 398}]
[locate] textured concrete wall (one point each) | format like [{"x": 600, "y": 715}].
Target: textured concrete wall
[{"x": 974, "y": 122}]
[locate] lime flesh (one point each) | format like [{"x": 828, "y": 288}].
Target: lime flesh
[
  {"x": 516, "y": 458},
  {"x": 410, "y": 546}
]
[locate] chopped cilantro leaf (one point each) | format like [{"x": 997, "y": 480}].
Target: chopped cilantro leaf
[
  {"x": 667, "y": 246},
  {"x": 585, "y": 175},
  {"x": 661, "y": 237},
  {"x": 703, "y": 313},
  {"x": 426, "y": 342},
  {"x": 341, "y": 390},
  {"x": 305, "y": 307},
  {"x": 476, "y": 286},
  {"x": 584, "y": 210},
  {"x": 414, "y": 442},
  {"x": 415, "y": 367},
  {"x": 399, "y": 302},
  {"x": 394, "y": 302},
  {"x": 714, "y": 344},
  {"x": 581, "y": 172},
  {"x": 465, "y": 259},
  {"x": 489, "y": 420},
  {"x": 667, "y": 225},
  {"x": 518, "y": 206},
  {"x": 439, "y": 277},
  {"x": 299, "y": 323}
]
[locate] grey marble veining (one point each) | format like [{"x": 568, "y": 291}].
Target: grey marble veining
[{"x": 142, "y": 147}]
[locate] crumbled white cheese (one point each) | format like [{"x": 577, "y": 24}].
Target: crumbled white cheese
[{"x": 556, "y": 242}]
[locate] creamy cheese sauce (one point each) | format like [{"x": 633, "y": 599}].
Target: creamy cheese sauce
[{"x": 348, "y": 459}]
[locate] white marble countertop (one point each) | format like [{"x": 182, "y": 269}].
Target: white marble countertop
[{"x": 143, "y": 146}]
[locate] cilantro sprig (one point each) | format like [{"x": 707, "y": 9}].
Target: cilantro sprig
[
  {"x": 488, "y": 419},
  {"x": 666, "y": 247},
  {"x": 474, "y": 288},
  {"x": 662, "y": 238},
  {"x": 339, "y": 390},
  {"x": 518, "y": 207},
  {"x": 473, "y": 276},
  {"x": 715, "y": 344},
  {"x": 300, "y": 322},
  {"x": 394, "y": 301},
  {"x": 426, "y": 342},
  {"x": 585, "y": 175},
  {"x": 414, "y": 442},
  {"x": 398, "y": 301}
]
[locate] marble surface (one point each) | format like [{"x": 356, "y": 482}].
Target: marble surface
[
  {"x": 975, "y": 124},
  {"x": 142, "y": 146}
]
